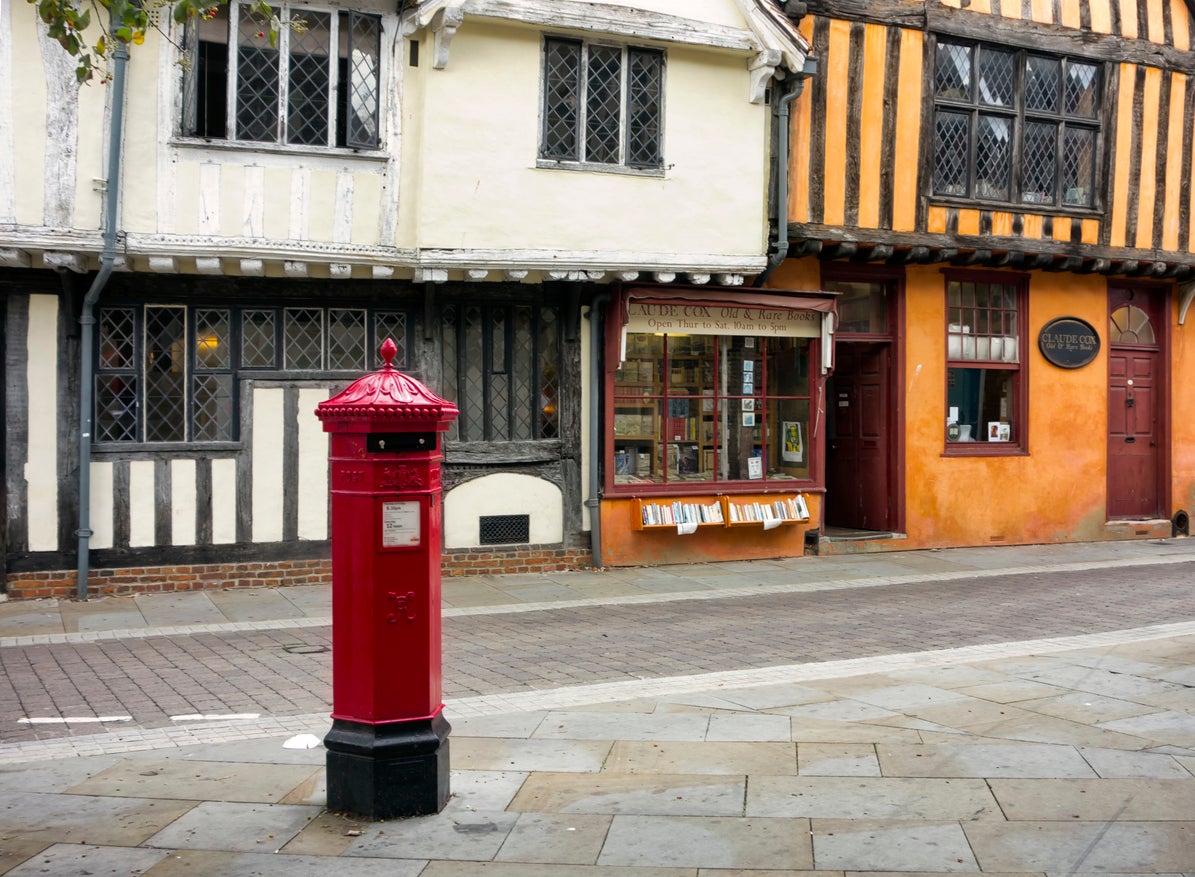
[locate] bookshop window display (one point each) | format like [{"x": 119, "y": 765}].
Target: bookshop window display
[{"x": 713, "y": 408}]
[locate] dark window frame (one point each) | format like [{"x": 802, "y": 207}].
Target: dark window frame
[
  {"x": 132, "y": 369},
  {"x": 1020, "y": 118},
  {"x": 570, "y": 130},
  {"x": 491, "y": 408},
  {"x": 1018, "y": 443},
  {"x": 210, "y": 67}
]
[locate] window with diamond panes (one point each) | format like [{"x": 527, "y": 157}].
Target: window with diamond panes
[
  {"x": 501, "y": 366},
  {"x": 602, "y": 104},
  {"x": 993, "y": 106},
  {"x": 316, "y": 84},
  {"x": 170, "y": 373}
]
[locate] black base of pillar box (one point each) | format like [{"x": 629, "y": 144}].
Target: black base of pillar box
[{"x": 388, "y": 771}]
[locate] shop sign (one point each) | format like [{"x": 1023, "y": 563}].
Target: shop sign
[
  {"x": 1068, "y": 342},
  {"x": 686, "y": 318}
]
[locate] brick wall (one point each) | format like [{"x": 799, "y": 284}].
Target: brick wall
[{"x": 198, "y": 577}]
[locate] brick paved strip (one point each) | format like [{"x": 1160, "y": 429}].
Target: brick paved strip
[
  {"x": 155, "y": 678},
  {"x": 586, "y": 695}
]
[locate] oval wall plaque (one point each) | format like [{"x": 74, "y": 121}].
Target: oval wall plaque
[{"x": 1068, "y": 342}]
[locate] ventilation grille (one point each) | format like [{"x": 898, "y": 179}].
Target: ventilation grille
[{"x": 505, "y": 529}]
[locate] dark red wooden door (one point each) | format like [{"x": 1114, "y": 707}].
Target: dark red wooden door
[
  {"x": 1134, "y": 405},
  {"x": 858, "y": 482}
]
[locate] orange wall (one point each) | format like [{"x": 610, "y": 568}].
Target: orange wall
[
  {"x": 1056, "y": 492},
  {"x": 624, "y": 546},
  {"x": 1182, "y": 412}
]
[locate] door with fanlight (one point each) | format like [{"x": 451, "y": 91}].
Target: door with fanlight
[{"x": 1136, "y": 409}]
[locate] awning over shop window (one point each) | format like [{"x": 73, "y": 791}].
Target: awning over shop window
[{"x": 727, "y": 311}]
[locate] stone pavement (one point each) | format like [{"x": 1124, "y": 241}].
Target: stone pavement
[{"x": 1068, "y": 754}]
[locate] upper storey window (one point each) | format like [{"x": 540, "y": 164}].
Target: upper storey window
[
  {"x": 1015, "y": 127},
  {"x": 603, "y": 105},
  {"x": 316, "y": 85}
]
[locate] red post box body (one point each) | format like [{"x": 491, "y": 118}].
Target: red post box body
[{"x": 388, "y": 747}]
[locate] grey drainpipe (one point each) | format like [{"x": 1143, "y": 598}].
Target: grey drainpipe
[
  {"x": 87, "y": 319},
  {"x": 783, "y": 114},
  {"x": 593, "y": 503}
]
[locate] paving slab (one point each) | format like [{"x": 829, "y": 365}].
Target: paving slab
[
  {"x": 807, "y": 730},
  {"x": 836, "y": 710},
  {"x": 513, "y": 725},
  {"x": 903, "y": 697},
  {"x": 53, "y": 776},
  {"x": 1168, "y": 726},
  {"x": 644, "y": 794},
  {"x": 1083, "y": 706},
  {"x": 53, "y": 818},
  {"x": 234, "y": 827},
  {"x": 891, "y": 845},
  {"x": 105, "y": 613},
  {"x": 658, "y": 841},
  {"x": 507, "y": 869},
  {"x": 638, "y": 756},
  {"x": 483, "y": 790},
  {"x": 190, "y": 863},
  {"x": 763, "y": 697},
  {"x": 254, "y": 604},
  {"x": 328, "y": 834},
  {"x": 979, "y": 760},
  {"x": 1012, "y": 691},
  {"x": 169, "y": 610},
  {"x": 78, "y": 860},
  {"x": 1119, "y": 764},
  {"x": 471, "y": 836},
  {"x": 838, "y": 759},
  {"x": 600, "y": 726},
  {"x": 490, "y": 753},
  {"x": 1098, "y": 800},
  {"x": 1072, "y": 848},
  {"x": 197, "y": 780},
  {"x": 746, "y": 727},
  {"x": 871, "y": 798},
  {"x": 552, "y": 838}
]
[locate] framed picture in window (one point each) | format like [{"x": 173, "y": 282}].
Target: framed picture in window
[
  {"x": 999, "y": 432},
  {"x": 794, "y": 446}
]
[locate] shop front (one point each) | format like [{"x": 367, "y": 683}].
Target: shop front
[{"x": 714, "y": 423}]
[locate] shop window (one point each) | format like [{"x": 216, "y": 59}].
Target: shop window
[
  {"x": 168, "y": 373},
  {"x": 710, "y": 408},
  {"x": 985, "y": 375},
  {"x": 501, "y": 366},
  {"x": 1015, "y": 127},
  {"x": 316, "y": 84},
  {"x": 603, "y": 105},
  {"x": 863, "y": 306}
]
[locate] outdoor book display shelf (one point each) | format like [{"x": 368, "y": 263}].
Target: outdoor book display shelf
[{"x": 687, "y": 514}]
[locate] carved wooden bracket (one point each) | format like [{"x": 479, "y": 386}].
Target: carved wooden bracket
[
  {"x": 444, "y": 26},
  {"x": 763, "y": 69},
  {"x": 1186, "y": 293}
]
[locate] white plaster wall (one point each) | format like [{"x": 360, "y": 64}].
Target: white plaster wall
[
  {"x": 267, "y": 465},
  {"x": 41, "y": 464},
  {"x": 182, "y": 502},
  {"x": 100, "y": 506},
  {"x": 480, "y": 187},
  {"x": 141, "y": 503},
  {"x": 224, "y": 501},
  {"x": 7, "y": 161},
  {"x": 313, "y": 467},
  {"x": 503, "y": 494}
]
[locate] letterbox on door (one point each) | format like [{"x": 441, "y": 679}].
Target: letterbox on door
[{"x": 388, "y": 746}]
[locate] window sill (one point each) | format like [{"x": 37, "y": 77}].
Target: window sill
[
  {"x": 1011, "y": 207},
  {"x": 984, "y": 449},
  {"x": 710, "y": 488},
  {"x": 551, "y": 164},
  {"x": 146, "y": 450},
  {"x": 245, "y": 147}
]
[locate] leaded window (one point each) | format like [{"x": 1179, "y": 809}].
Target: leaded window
[
  {"x": 603, "y": 105},
  {"x": 317, "y": 83},
  {"x": 1014, "y": 126},
  {"x": 501, "y": 365},
  {"x": 169, "y": 373}
]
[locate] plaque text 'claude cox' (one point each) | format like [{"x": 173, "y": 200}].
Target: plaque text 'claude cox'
[{"x": 1068, "y": 342}]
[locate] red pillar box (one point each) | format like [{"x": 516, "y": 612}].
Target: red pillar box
[{"x": 388, "y": 747}]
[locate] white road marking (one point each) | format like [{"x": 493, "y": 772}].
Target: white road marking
[
  {"x": 215, "y": 718},
  {"x": 71, "y": 720}
]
